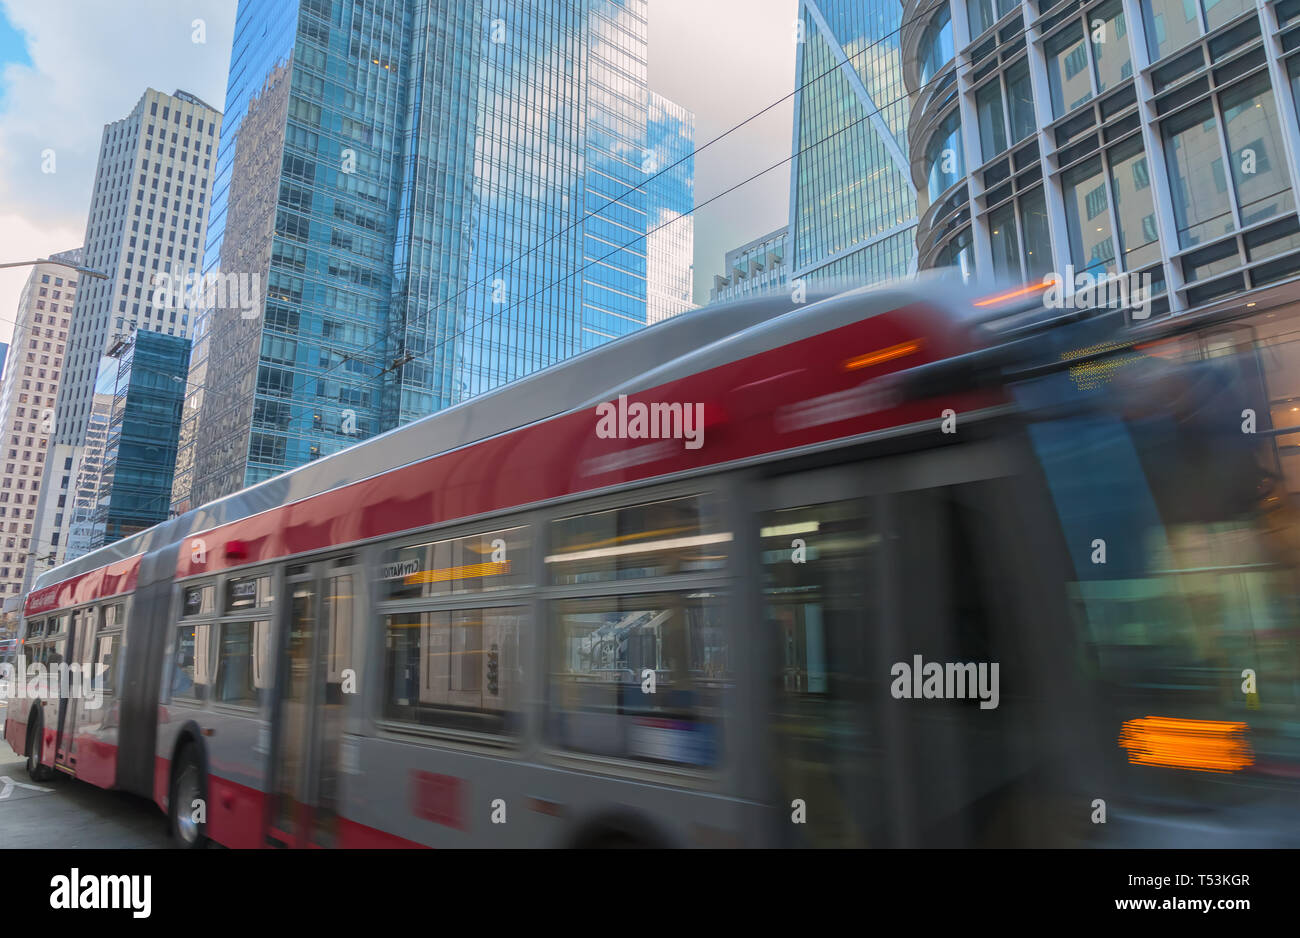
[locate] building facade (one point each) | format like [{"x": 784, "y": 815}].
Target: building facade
[
  {"x": 761, "y": 266},
  {"x": 30, "y": 386},
  {"x": 146, "y": 229},
  {"x": 1149, "y": 138},
  {"x": 439, "y": 198},
  {"x": 852, "y": 197},
  {"x": 670, "y": 232},
  {"x": 126, "y": 479},
  {"x": 1153, "y": 141}
]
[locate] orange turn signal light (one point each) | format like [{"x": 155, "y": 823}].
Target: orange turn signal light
[
  {"x": 1013, "y": 294},
  {"x": 1199, "y": 745},
  {"x": 879, "y": 356}
]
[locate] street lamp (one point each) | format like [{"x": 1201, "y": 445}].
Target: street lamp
[{"x": 88, "y": 271}]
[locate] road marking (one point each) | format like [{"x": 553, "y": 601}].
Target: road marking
[{"x": 7, "y": 786}]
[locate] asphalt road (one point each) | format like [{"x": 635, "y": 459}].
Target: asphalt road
[{"x": 63, "y": 813}]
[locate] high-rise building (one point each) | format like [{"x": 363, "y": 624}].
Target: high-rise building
[
  {"x": 670, "y": 238},
  {"x": 1149, "y": 138},
  {"x": 852, "y": 200},
  {"x": 131, "y": 478},
  {"x": 761, "y": 266},
  {"x": 439, "y": 198},
  {"x": 79, "y": 513},
  {"x": 31, "y": 382},
  {"x": 145, "y": 230},
  {"x": 1149, "y": 143},
  {"x": 4, "y": 357}
]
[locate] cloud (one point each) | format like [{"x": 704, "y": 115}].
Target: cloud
[
  {"x": 726, "y": 60},
  {"x": 90, "y": 62}
]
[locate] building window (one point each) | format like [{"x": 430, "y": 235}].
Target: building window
[
  {"x": 1112, "y": 58},
  {"x": 1196, "y": 178},
  {"x": 1067, "y": 73},
  {"x": 993, "y": 132},
  {"x": 1254, "y": 137}
]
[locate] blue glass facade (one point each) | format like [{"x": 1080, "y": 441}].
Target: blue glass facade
[
  {"x": 143, "y": 400},
  {"x": 852, "y": 201},
  {"x": 435, "y": 195},
  {"x": 670, "y": 238}
]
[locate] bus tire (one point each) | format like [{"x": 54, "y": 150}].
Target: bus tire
[
  {"x": 188, "y": 784},
  {"x": 35, "y": 731}
]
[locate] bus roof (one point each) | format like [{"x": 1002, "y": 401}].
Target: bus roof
[{"x": 690, "y": 342}]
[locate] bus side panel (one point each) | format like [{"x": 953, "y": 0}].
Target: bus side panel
[{"x": 146, "y": 631}]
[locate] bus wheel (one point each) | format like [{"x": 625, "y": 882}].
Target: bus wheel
[
  {"x": 183, "y": 815},
  {"x": 35, "y": 771}
]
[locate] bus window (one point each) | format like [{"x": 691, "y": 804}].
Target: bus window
[
  {"x": 190, "y": 663},
  {"x": 459, "y": 669},
  {"x": 110, "y": 644},
  {"x": 605, "y": 651},
  {"x": 247, "y": 593},
  {"x": 667, "y": 538},
  {"x": 820, "y": 567},
  {"x": 242, "y": 649},
  {"x": 489, "y": 561}
]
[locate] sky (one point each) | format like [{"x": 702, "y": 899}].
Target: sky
[{"x": 67, "y": 67}]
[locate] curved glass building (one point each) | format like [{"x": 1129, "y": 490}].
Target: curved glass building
[{"x": 1149, "y": 137}]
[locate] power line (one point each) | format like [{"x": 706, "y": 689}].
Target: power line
[{"x": 389, "y": 336}]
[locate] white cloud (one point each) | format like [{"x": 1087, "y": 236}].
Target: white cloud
[
  {"x": 726, "y": 60},
  {"x": 90, "y": 64}
]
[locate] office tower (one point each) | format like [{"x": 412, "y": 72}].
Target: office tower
[
  {"x": 852, "y": 200},
  {"x": 128, "y": 473},
  {"x": 31, "y": 381},
  {"x": 753, "y": 269},
  {"x": 670, "y": 238},
  {"x": 437, "y": 197},
  {"x": 145, "y": 230}
]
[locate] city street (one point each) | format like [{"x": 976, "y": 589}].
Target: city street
[{"x": 67, "y": 814}]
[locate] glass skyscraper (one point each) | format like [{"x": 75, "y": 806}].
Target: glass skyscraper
[
  {"x": 670, "y": 240},
  {"x": 125, "y": 481},
  {"x": 852, "y": 200},
  {"x": 428, "y": 199}
]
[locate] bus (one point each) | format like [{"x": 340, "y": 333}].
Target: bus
[{"x": 890, "y": 567}]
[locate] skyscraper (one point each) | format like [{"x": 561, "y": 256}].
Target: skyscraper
[
  {"x": 438, "y": 197},
  {"x": 852, "y": 199},
  {"x": 670, "y": 239},
  {"x": 129, "y": 481},
  {"x": 31, "y": 381},
  {"x": 145, "y": 229}
]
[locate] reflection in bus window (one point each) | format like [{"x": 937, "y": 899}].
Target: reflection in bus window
[
  {"x": 110, "y": 645},
  {"x": 241, "y": 658},
  {"x": 666, "y": 538},
  {"x": 488, "y": 561},
  {"x": 460, "y": 669},
  {"x": 820, "y": 563},
  {"x": 190, "y": 666},
  {"x": 607, "y": 650}
]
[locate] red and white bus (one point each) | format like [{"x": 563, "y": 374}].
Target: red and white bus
[{"x": 511, "y": 624}]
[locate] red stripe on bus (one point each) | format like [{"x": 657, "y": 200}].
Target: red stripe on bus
[
  {"x": 109, "y": 580},
  {"x": 747, "y": 415}
]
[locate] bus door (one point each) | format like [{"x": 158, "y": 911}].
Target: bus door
[
  {"x": 821, "y": 581},
  {"x": 314, "y": 668},
  {"x": 76, "y": 652}
]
